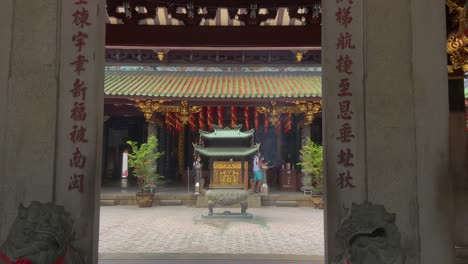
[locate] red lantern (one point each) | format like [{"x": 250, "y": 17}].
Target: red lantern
[
  {"x": 193, "y": 123},
  {"x": 233, "y": 116},
  {"x": 288, "y": 123},
  {"x": 201, "y": 118},
  {"x": 178, "y": 123},
  {"x": 220, "y": 116},
  {"x": 246, "y": 118},
  {"x": 210, "y": 118},
  {"x": 170, "y": 122},
  {"x": 256, "y": 119}
]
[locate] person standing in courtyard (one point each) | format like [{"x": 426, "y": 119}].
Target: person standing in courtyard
[
  {"x": 257, "y": 171},
  {"x": 197, "y": 168}
]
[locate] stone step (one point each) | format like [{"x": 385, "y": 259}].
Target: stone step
[
  {"x": 170, "y": 202},
  {"x": 286, "y": 203},
  {"x": 109, "y": 202},
  {"x": 462, "y": 255}
]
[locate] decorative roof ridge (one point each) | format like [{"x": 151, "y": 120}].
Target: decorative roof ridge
[
  {"x": 212, "y": 68},
  {"x": 236, "y": 127},
  {"x": 256, "y": 145},
  {"x": 222, "y": 132}
]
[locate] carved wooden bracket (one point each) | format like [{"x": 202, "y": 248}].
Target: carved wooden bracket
[
  {"x": 309, "y": 108},
  {"x": 148, "y": 107},
  {"x": 192, "y": 13},
  {"x": 274, "y": 111},
  {"x": 193, "y": 16},
  {"x": 457, "y": 41},
  {"x": 134, "y": 10},
  {"x": 184, "y": 111},
  {"x": 310, "y": 14}
]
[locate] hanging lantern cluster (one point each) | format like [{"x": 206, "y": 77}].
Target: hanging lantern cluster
[{"x": 280, "y": 117}]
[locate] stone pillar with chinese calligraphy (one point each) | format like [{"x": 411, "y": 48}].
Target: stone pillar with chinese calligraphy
[
  {"x": 80, "y": 116},
  {"x": 384, "y": 84},
  {"x": 344, "y": 141},
  {"x": 51, "y": 79}
]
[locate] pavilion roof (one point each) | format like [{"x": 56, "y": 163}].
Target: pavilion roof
[
  {"x": 227, "y": 133},
  {"x": 226, "y": 152},
  {"x": 188, "y": 82}
]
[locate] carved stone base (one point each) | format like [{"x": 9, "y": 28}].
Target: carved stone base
[
  {"x": 41, "y": 233},
  {"x": 228, "y": 215},
  {"x": 368, "y": 235},
  {"x": 253, "y": 201},
  {"x": 226, "y": 198}
]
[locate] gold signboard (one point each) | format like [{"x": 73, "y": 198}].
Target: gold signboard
[{"x": 227, "y": 173}]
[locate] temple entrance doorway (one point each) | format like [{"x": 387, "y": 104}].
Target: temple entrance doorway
[{"x": 181, "y": 92}]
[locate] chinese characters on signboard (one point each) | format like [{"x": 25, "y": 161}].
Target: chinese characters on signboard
[
  {"x": 78, "y": 113},
  {"x": 344, "y": 66}
]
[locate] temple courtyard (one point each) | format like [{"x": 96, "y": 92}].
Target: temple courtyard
[{"x": 176, "y": 233}]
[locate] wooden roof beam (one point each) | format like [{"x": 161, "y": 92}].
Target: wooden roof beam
[{"x": 150, "y": 36}]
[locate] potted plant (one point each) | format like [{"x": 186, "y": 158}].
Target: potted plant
[
  {"x": 312, "y": 166},
  {"x": 143, "y": 161}
]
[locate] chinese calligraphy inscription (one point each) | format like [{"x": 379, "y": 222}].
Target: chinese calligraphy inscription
[
  {"x": 78, "y": 114},
  {"x": 344, "y": 66}
]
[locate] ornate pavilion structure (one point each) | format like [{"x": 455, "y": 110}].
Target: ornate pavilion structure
[{"x": 196, "y": 77}]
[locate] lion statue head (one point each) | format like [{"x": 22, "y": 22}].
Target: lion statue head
[
  {"x": 41, "y": 233},
  {"x": 368, "y": 235}
]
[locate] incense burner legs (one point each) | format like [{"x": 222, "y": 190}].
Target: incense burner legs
[{"x": 227, "y": 198}]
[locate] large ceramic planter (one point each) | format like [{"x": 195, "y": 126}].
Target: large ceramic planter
[
  {"x": 306, "y": 181},
  {"x": 317, "y": 201},
  {"x": 144, "y": 199}
]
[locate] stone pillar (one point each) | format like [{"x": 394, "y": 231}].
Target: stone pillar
[
  {"x": 457, "y": 160},
  {"x": 279, "y": 144},
  {"x": 306, "y": 133},
  {"x": 396, "y": 90},
  {"x": 50, "y": 152},
  {"x": 180, "y": 155},
  {"x": 152, "y": 130},
  {"x": 7, "y": 212}
]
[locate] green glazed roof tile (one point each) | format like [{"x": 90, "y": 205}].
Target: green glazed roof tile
[
  {"x": 226, "y": 151},
  {"x": 212, "y": 84}
]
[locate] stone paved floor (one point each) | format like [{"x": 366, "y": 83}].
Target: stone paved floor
[{"x": 177, "y": 229}]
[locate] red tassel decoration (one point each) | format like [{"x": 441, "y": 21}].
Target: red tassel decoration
[
  {"x": 246, "y": 118},
  {"x": 288, "y": 123},
  {"x": 193, "y": 123},
  {"x": 170, "y": 122},
  {"x": 201, "y": 119},
  {"x": 178, "y": 122},
  {"x": 256, "y": 119},
  {"x": 233, "y": 116},
  {"x": 210, "y": 118},
  {"x": 220, "y": 116}
]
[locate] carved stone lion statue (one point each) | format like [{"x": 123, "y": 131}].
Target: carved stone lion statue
[
  {"x": 368, "y": 235},
  {"x": 41, "y": 234}
]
